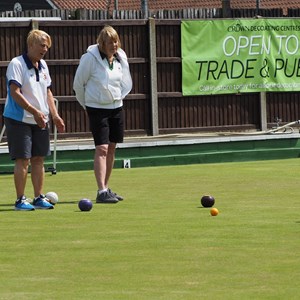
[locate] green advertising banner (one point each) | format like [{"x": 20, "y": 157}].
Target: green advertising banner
[{"x": 240, "y": 56}]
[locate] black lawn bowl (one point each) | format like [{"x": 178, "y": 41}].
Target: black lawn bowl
[{"x": 207, "y": 201}]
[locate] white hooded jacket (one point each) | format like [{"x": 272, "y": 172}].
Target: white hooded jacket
[{"x": 91, "y": 80}]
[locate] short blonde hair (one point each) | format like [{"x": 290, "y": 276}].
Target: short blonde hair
[
  {"x": 108, "y": 32},
  {"x": 37, "y": 35}
]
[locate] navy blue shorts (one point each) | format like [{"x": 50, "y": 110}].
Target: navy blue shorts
[
  {"x": 26, "y": 140},
  {"x": 107, "y": 125}
]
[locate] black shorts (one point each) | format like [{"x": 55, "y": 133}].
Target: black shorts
[
  {"x": 107, "y": 125},
  {"x": 26, "y": 140}
]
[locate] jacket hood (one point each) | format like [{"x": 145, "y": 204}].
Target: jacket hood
[{"x": 94, "y": 50}]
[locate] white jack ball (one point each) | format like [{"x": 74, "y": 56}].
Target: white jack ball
[{"x": 52, "y": 197}]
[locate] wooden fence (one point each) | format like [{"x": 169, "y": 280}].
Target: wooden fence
[
  {"x": 188, "y": 13},
  {"x": 155, "y": 105},
  {"x": 85, "y": 14}
]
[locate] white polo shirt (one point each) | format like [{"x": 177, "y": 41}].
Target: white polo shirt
[{"x": 33, "y": 84}]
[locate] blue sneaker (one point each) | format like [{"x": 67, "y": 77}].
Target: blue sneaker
[
  {"x": 22, "y": 203},
  {"x": 41, "y": 202}
]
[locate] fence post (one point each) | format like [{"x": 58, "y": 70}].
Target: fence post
[
  {"x": 263, "y": 111},
  {"x": 34, "y": 24},
  {"x": 153, "y": 77}
]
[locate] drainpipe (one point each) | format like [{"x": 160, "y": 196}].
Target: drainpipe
[
  {"x": 144, "y": 5},
  {"x": 257, "y": 6},
  {"x": 226, "y": 9}
]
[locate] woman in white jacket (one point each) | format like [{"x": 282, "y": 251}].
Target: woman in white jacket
[{"x": 101, "y": 82}]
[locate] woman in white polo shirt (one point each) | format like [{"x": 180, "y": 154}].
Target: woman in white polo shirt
[
  {"x": 101, "y": 82},
  {"x": 26, "y": 114}
]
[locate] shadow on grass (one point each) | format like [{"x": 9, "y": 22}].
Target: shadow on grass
[
  {"x": 65, "y": 202},
  {"x": 7, "y": 209},
  {"x": 11, "y": 207}
]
